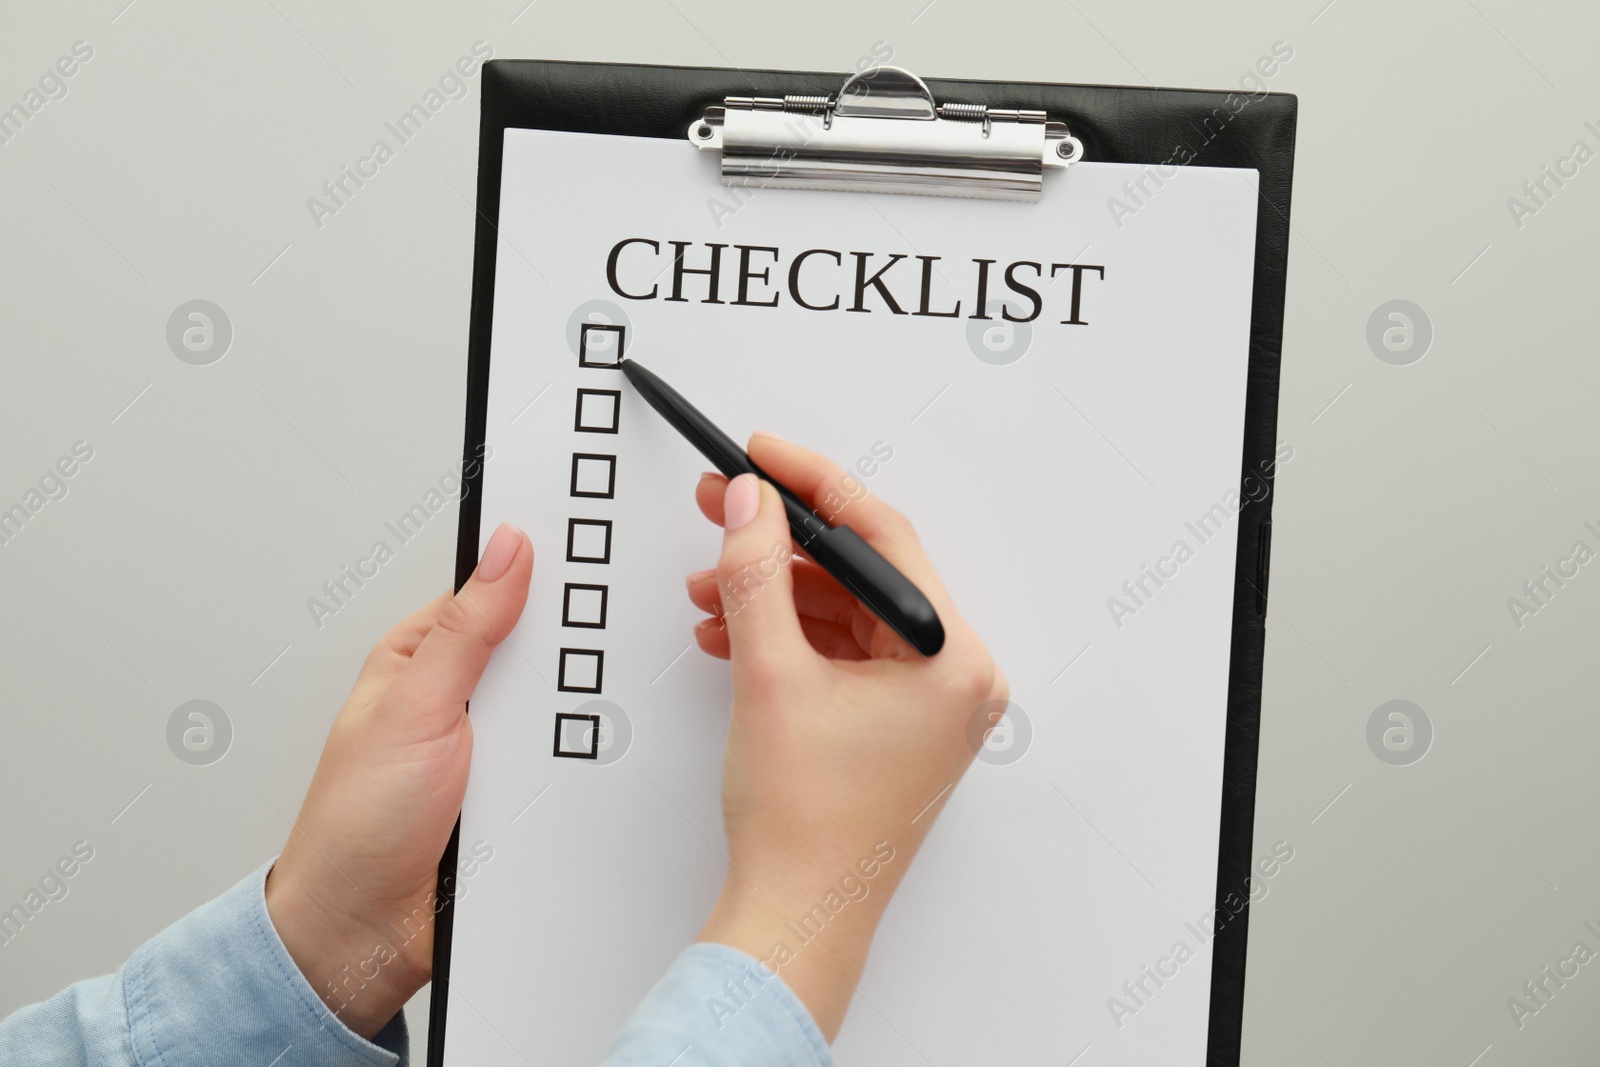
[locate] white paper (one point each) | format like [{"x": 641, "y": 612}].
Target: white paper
[{"x": 1038, "y": 488}]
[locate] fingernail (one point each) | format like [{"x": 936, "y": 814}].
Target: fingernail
[
  {"x": 741, "y": 502},
  {"x": 705, "y": 475},
  {"x": 498, "y": 552},
  {"x": 775, "y": 437},
  {"x": 697, "y": 577}
]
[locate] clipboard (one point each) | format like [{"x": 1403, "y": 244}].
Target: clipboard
[{"x": 950, "y": 138}]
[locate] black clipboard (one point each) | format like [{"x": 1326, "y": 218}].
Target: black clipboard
[{"x": 1115, "y": 124}]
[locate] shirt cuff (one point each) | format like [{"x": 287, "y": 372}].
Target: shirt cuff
[
  {"x": 718, "y": 1007},
  {"x": 218, "y": 986}
]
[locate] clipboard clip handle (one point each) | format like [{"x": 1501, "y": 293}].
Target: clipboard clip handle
[{"x": 883, "y": 132}]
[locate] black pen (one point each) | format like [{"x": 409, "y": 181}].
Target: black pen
[{"x": 838, "y": 550}]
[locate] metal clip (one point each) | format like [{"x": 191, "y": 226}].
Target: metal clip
[{"x": 884, "y": 133}]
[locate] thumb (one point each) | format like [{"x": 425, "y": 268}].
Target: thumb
[
  {"x": 755, "y": 578},
  {"x": 446, "y": 666}
]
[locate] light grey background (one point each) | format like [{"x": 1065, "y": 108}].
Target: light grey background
[{"x": 1419, "y": 499}]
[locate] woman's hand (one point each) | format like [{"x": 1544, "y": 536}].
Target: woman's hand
[
  {"x": 352, "y": 896},
  {"x": 844, "y": 741}
]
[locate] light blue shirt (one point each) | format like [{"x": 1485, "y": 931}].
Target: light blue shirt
[{"x": 218, "y": 986}]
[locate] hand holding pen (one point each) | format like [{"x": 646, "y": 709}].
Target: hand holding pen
[{"x": 844, "y": 742}]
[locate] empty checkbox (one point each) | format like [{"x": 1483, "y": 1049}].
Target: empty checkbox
[
  {"x": 579, "y": 670},
  {"x": 598, "y": 410},
  {"x": 577, "y": 736},
  {"x": 594, "y": 475},
  {"x": 588, "y": 540},
  {"x": 600, "y": 344},
  {"x": 584, "y": 605}
]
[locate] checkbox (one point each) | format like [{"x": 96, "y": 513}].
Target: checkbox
[
  {"x": 598, "y": 410},
  {"x": 600, "y": 344},
  {"x": 588, "y": 540},
  {"x": 580, "y": 670},
  {"x": 594, "y": 475},
  {"x": 584, "y": 605},
  {"x": 577, "y": 736}
]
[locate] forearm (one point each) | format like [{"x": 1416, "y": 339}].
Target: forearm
[{"x": 818, "y": 954}]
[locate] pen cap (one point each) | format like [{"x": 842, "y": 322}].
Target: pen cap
[{"x": 876, "y": 582}]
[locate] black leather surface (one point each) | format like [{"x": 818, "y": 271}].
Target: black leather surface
[{"x": 1116, "y": 124}]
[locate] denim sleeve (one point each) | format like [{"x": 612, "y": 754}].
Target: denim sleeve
[
  {"x": 217, "y": 986},
  {"x": 717, "y": 1007}
]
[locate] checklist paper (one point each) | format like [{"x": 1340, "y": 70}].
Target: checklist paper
[{"x": 1054, "y": 394}]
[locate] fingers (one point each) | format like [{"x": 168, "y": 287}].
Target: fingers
[
  {"x": 837, "y": 495},
  {"x": 832, "y": 620},
  {"x": 829, "y": 639},
  {"x": 754, "y": 578},
  {"x": 817, "y": 594},
  {"x": 709, "y": 493},
  {"x": 841, "y": 499},
  {"x": 447, "y": 662}
]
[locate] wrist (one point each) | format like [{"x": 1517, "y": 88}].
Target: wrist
[
  {"x": 816, "y": 937},
  {"x": 354, "y": 969}
]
